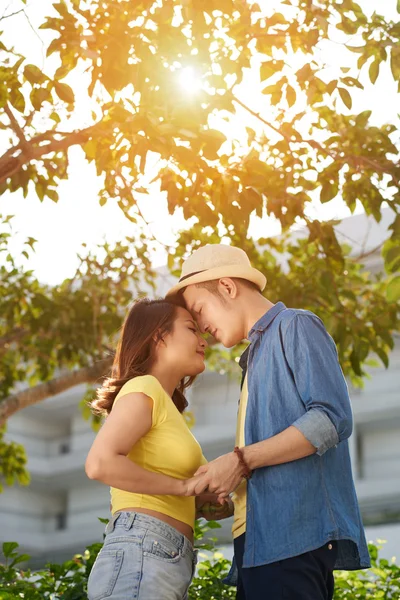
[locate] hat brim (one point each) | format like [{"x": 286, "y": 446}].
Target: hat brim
[{"x": 218, "y": 273}]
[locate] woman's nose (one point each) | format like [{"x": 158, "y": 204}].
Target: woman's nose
[{"x": 203, "y": 342}]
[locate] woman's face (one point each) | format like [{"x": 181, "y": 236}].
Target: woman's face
[{"x": 184, "y": 346}]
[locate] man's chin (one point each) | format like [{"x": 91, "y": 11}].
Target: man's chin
[
  {"x": 227, "y": 342},
  {"x": 232, "y": 342}
]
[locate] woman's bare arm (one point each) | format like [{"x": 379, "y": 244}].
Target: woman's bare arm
[{"x": 129, "y": 420}]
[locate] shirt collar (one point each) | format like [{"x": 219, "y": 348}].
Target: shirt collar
[{"x": 266, "y": 320}]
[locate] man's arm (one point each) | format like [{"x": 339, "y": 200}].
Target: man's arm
[
  {"x": 223, "y": 475},
  {"x": 284, "y": 447},
  {"x": 312, "y": 357}
]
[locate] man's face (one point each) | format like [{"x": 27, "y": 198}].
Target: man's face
[{"x": 215, "y": 315}]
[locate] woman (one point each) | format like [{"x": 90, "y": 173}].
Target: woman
[{"x": 146, "y": 453}]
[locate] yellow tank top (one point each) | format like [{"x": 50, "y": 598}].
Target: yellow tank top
[
  {"x": 169, "y": 448},
  {"x": 240, "y": 496}
]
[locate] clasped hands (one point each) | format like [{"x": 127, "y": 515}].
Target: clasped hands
[{"x": 220, "y": 476}]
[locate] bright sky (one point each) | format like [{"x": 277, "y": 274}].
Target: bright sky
[{"x": 61, "y": 228}]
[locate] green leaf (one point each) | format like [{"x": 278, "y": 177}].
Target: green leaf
[
  {"x": 290, "y": 95},
  {"x": 267, "y": 70},
  {"x": 374, "y": 70},
  {"x": 34, "y": 75},
  {"x": 213, "y": 141},
  {"x": 64, "y": 92},
  {"x": 328, "y": 191},
  {"x": 55, "y": 117},
  {"x": 276, "y": 19},
  {"x": 52, "y": 194},
  {"x": 352, "y": 82},
  {"x": 362, "y": 118},
  {"x": 305, "y": 73},
  {"x": 355, "y": 363},
  {"x": 8, "y": 549},
  {"x": 332, "y": 86},
  {"x": 395, "y": 62},
  {"x": 38, "y": 96},
  {"x": 17, "y": 99},
  {"x": 19, "y": 559},
  {"x": 383, "y": 356},
  {"x": 54, "y": 46},
  {"x": 392, "y": 259},
  {"x": 393, "y": 290},
  {"x": 345, "y": 96}
]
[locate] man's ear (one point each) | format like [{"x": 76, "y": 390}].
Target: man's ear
[{"x": 228, "y": 287}]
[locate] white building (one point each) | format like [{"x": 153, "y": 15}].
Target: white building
[{"x": 56, "y": 515}]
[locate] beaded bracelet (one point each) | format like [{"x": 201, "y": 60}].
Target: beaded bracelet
[{"x": 247, "y": 471}]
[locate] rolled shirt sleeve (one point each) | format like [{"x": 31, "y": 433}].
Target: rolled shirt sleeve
[{"x": 312, "y": 357}]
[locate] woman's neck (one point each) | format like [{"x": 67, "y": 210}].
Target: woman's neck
[{"x": 168, "y": 379}]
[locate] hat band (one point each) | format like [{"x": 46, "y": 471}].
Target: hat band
[{"x": 191, "y": 275}]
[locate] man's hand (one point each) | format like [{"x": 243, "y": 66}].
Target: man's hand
[{"x": 220, "y": 476}]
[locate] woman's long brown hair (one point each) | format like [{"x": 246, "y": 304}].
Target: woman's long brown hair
[{"x": 147, "y": 322}]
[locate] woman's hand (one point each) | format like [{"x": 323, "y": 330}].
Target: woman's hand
[{"x": 213, "y": 508}]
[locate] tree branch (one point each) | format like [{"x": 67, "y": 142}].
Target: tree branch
[
  {"x": 368, "y": 253},
  {"x": 38, "y": 393},
  {"x": 260, "y": 118},
  {"x": 30, "y": 151},
  {"x": 12, "y": 14},
  {"x": 15, "y": 125},
  {"x": 357, "y": 160}
]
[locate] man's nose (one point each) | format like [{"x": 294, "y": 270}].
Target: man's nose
[
  {"x": 202, "y": 328},
  {"x": 205, "y": 328}
]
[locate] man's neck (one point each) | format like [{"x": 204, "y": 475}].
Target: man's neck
[{"x": 256, "y": 308}]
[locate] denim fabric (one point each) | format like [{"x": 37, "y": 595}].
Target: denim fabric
[
  {"x": 294, "y": 378},
  {"x": 305, "y": 577},
  {"x": 142, "y": 559}
]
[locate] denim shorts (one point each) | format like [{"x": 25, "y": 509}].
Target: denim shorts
[{"x": 143, "y": 558}]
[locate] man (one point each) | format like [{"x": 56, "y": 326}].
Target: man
[{"x": 296, "y": 512}]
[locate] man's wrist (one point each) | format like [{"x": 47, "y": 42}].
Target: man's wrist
[
  {"x": 249, "y": 457},
  {"x": 244, "y": 466}
]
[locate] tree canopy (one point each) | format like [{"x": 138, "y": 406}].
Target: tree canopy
[{"x": 265, "y": 125}]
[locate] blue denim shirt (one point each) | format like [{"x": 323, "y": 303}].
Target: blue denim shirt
[{"x": 294, "y": 378}]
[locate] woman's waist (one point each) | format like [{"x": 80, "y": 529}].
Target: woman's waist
[
  {"x": 179, "y": 532},
  {"x": 178, "y": 511},
  {"x": 176, "y": 504}
]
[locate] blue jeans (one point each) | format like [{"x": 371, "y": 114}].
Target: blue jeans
[
  {"x": 143, "y": 558},
  {"x": 305, "y": 577}
]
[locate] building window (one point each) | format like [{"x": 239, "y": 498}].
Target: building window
[
  {"x": 61, "y": 521},
  {"x": 65, "y": 448}
]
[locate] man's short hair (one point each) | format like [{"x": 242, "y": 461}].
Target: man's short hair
[{"x": 212, "y": 286}]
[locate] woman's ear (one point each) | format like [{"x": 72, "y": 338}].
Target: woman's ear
[{"x": 157, "y": 338}]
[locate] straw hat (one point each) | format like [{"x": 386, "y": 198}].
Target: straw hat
[{"x": 215, "y": 261}]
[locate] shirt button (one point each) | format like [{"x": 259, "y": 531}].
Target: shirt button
[{"x": 330, "y": 546}]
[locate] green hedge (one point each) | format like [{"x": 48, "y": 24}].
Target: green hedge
[{"x": 67, "y": 581}]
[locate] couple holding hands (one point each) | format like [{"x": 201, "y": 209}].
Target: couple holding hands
[{"x": 296, "y": 516}]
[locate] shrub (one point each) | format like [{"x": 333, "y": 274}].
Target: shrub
[{"x": 67, "y": 581}]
